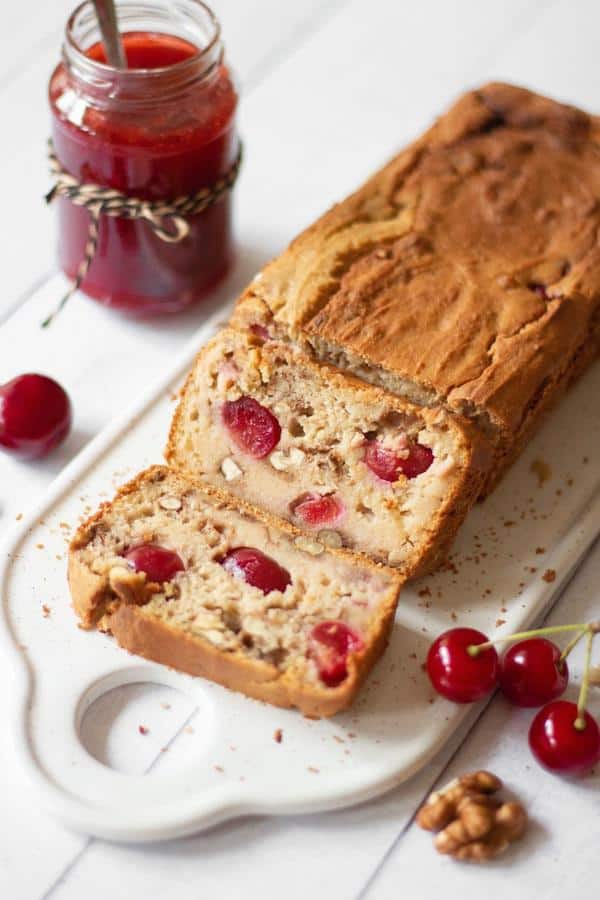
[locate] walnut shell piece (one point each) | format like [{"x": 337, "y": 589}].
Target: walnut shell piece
[{"x": 471, "y": 821}]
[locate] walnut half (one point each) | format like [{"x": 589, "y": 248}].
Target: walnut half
[{"x": 472, "y": 822}]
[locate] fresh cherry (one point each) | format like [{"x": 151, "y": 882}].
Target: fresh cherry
[
  {"x": 257, "y": 569},
  {"x": 389, "y": 465},
  {"x": 455, "y": 673},
  {"x": 35, "y": 415},
  {"x": 157, "y": 562},
  {"x": 330, "y": 644},
  {"x": 531, "y": 672},
  {"x": 561, "y": 747},
  {"x": 253, "y": 427},
  {"x": 318, "y": 509}
]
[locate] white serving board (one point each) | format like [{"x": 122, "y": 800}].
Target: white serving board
[{"x": 495, "y": 583}]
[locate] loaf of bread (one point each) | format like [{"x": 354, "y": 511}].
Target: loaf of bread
[
  {"x": 464, "y": 274},
  {"x": 345, "y": 461},
  {"x": 180, "y": 575}
]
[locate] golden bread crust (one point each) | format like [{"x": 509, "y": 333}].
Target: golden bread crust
[{"x": 469, "y": 266}]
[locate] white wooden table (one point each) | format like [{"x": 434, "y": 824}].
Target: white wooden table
[{"x": 330, "y": 89}]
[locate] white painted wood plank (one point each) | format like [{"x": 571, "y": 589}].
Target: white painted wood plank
[
  {"x": 557, "y": 857},
  {"x": 24, "y": 35},
  {"x": 328, "y": 855}
]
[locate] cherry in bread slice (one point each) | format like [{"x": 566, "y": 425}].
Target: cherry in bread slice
[
  {"x": 334, "y": 456},
  {"x": 187, "y": 576}
]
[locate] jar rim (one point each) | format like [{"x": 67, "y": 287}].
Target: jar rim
[{"x": 86, "y": 7}]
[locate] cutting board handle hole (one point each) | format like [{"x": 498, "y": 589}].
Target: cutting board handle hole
[{"x": 129, "y": 727}]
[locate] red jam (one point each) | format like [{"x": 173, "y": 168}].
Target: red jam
[{"x": 158, "y": 130}]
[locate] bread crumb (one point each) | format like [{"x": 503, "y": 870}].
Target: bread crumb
[
  {"x": 500, "y": 622},
  {"x": 540, "y": 550},
  {"x": 165, "y": 706},
  {"x": 40, "y": 546},
  {"x": 19, "y": 516},
  {"x": 549, "y": 575},
  {"x": 188, "y": 729},
  {"x": 313, "y": 769},
  {"x": 278, "y": 735},
  {"x": 46, "y": 610},
  {"x": 541, "y": 470},
  {"x": 219, "y": 769},
  {"x": 142, "y": 729}
]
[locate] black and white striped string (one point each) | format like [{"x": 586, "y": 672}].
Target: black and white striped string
[{"x": 168, "y": 219}]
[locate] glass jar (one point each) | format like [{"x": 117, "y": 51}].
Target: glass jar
[{"x": 162, "y": 128}]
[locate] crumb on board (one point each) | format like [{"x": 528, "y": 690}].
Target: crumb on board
[
  {"x": 18, "y": 517},
  {"x": 500, "y": 622},
  {"x": 549, "y": 575},
  {"x": 46, "y": 610},
  {"x": 165, "y": 706},
  {"x": 219, "y": 769},
  {"x": 278, "y": 735},
  {"x": 313, "y": 769},
  {"x": 541, "y": 470},
  {"x": 189, "y": 729}
]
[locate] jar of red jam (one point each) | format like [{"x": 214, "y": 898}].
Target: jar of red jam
[{"x": 160, "y": 129}]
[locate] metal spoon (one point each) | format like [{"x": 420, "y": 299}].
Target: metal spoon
[{"x": 109, "y": 29}]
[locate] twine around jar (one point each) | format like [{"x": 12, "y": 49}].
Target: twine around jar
[{"x": 168, "y": 219}]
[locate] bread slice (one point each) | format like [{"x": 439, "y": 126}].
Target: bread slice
[
  {"x": 308, "y": 643},
  {"x": 327, "y": 437},
  {"x": 466, "y": 273}
]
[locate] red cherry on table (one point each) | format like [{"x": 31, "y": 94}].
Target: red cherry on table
[
  {"x": 315, "y": 509},
  {"x": 253, "y": 428},
  {"x": 457, "y": 675},
  {"x": 531, "y": 672},
  {"x": 330, "y": 644},
  {"x": 157, "y": 562},
  {"x": 389, "y": 465},
  {"x": 35, "y": 415},
  {"x": 257, "y": 569},
  {"x": 558, "y": 745}
]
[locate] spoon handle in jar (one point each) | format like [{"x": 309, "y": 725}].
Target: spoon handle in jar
[{"x": 109, "y": 29}]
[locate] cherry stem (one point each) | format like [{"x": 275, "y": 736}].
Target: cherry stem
[
  {"x": 474, "y": 649},
  {"x": 580, "y": 722},
  {"x": 572, "y": 643}
]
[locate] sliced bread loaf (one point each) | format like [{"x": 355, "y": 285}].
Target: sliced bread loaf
[
  {"x": 180, "y": 575},
  {"x": 465, "y": 273},
  {"x": 340, "y": 459}
]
